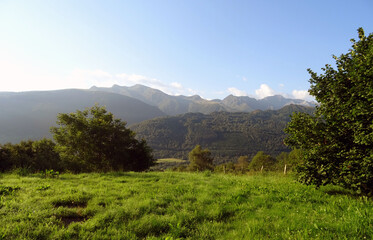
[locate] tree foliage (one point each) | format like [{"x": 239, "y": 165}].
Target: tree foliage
[
  {"x": 338, "y": 140},
  {"x": 262, "y": 160},
  {"x": 31, "y": 155},
  {"x": 93, "y": 140},
  {"x": 291, "y": 160},
  {"x": 242, "y": 164},
  {"x": 200, "y": 159}
]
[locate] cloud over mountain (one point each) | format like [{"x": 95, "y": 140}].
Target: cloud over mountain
[
  {"x": 264, "y": 91},
  {"x": 237, "y": 92}
]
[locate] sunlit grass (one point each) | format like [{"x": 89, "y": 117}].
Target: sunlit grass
[
  {"x": 173, "y": 205},
  {"x": 171, "y": 160}
]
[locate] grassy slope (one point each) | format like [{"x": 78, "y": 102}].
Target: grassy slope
[{"x": 178, "y": 205}]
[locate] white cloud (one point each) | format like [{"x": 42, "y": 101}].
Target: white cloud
[
  {"x": 133, "y": 79},
  {"x": 21, "y": 75},
  {"x": 301, "y": 94},
  {"x": 177, "y": 85},
  {"x": 80, "y": 78},
  {"x": 264, "y": 91},
  {"x": 237, "y": 92},
  {"x": 173, "y": 88}
]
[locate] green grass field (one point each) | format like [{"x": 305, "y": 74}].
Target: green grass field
[
  {"x": 171, "y": 160},
  {"x": 170, "y": 205}
]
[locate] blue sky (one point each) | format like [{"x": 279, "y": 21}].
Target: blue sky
[{"x": 211, "y": 48}]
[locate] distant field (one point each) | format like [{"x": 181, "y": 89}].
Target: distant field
[
  {"x": 171, "y": 160},
  {"x": 170, "y": 205}
]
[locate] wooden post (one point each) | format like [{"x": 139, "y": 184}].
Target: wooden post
[
  {"x": 285, "y": 169},
  {"x": 261, "y": 170},
  {"x": 224, "y": 169}
]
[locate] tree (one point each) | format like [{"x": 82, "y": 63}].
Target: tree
[
  {"x": 31, "y": 155},
  {"x": 22, "y": 155},
  {"x": 281, "y": 161},
  {"x": 228, "y": 167},
  {"x": 200, "y": 159},
  {"x": 45, "y": 157},
  {"x": 93, "y": 140},
  {"x": 291, "y": 160},
  {"x": 337, "y": 141},
  {"x": 262, "y": 161},
  {"x": 5, "y": 162},
  {"x": 242, "y": 164}
]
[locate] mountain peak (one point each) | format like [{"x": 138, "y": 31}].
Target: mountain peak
[
  {"x": 116, "y": 86},
  {"x": 274, "y": 97}
]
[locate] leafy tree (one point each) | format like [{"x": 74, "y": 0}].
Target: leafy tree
[
  {"x": 291, "y": 160},
  {"x": 22, "y": 155},
  {"x": 281, "y": 161},
  {"x": 200, "y": 159},
  {"x": 93, "y": 140},
  {"x": 295, "y": 158},
  {"x": 337, "y": 141},
  {"x": 44, "y": 155},
  {"x": 242, "y": 163},
  {"x": 228, "y": 167},
  {"x": 5, "y": 163},
  {"x": 262, "y": 160},
  {"x": 31, "y": 155}
]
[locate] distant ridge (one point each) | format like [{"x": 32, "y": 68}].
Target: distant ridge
[
  {"x": 29, "y": 115},
  {"x": 174, "y": 105}
]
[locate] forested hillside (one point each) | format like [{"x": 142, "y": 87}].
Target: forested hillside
[{"x": 226, "y": 135}]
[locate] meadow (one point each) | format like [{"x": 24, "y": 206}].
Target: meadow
[{"x": 177, "y": 205}]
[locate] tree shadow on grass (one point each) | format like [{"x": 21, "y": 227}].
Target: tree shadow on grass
[{"x": 338, "y": 190}]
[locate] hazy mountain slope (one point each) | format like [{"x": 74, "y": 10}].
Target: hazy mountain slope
[
  {"x": 29, "y": 115},
  {"x": 227, "y": 135},
  {"x": 248, "y": 104},
  {"x": 174, "y": 105},
  {"x": 171, "y": 105}
]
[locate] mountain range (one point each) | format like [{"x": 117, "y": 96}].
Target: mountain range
[
  {"x": 29, "y": 115},
  {"x": 174, "y": 105}
]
